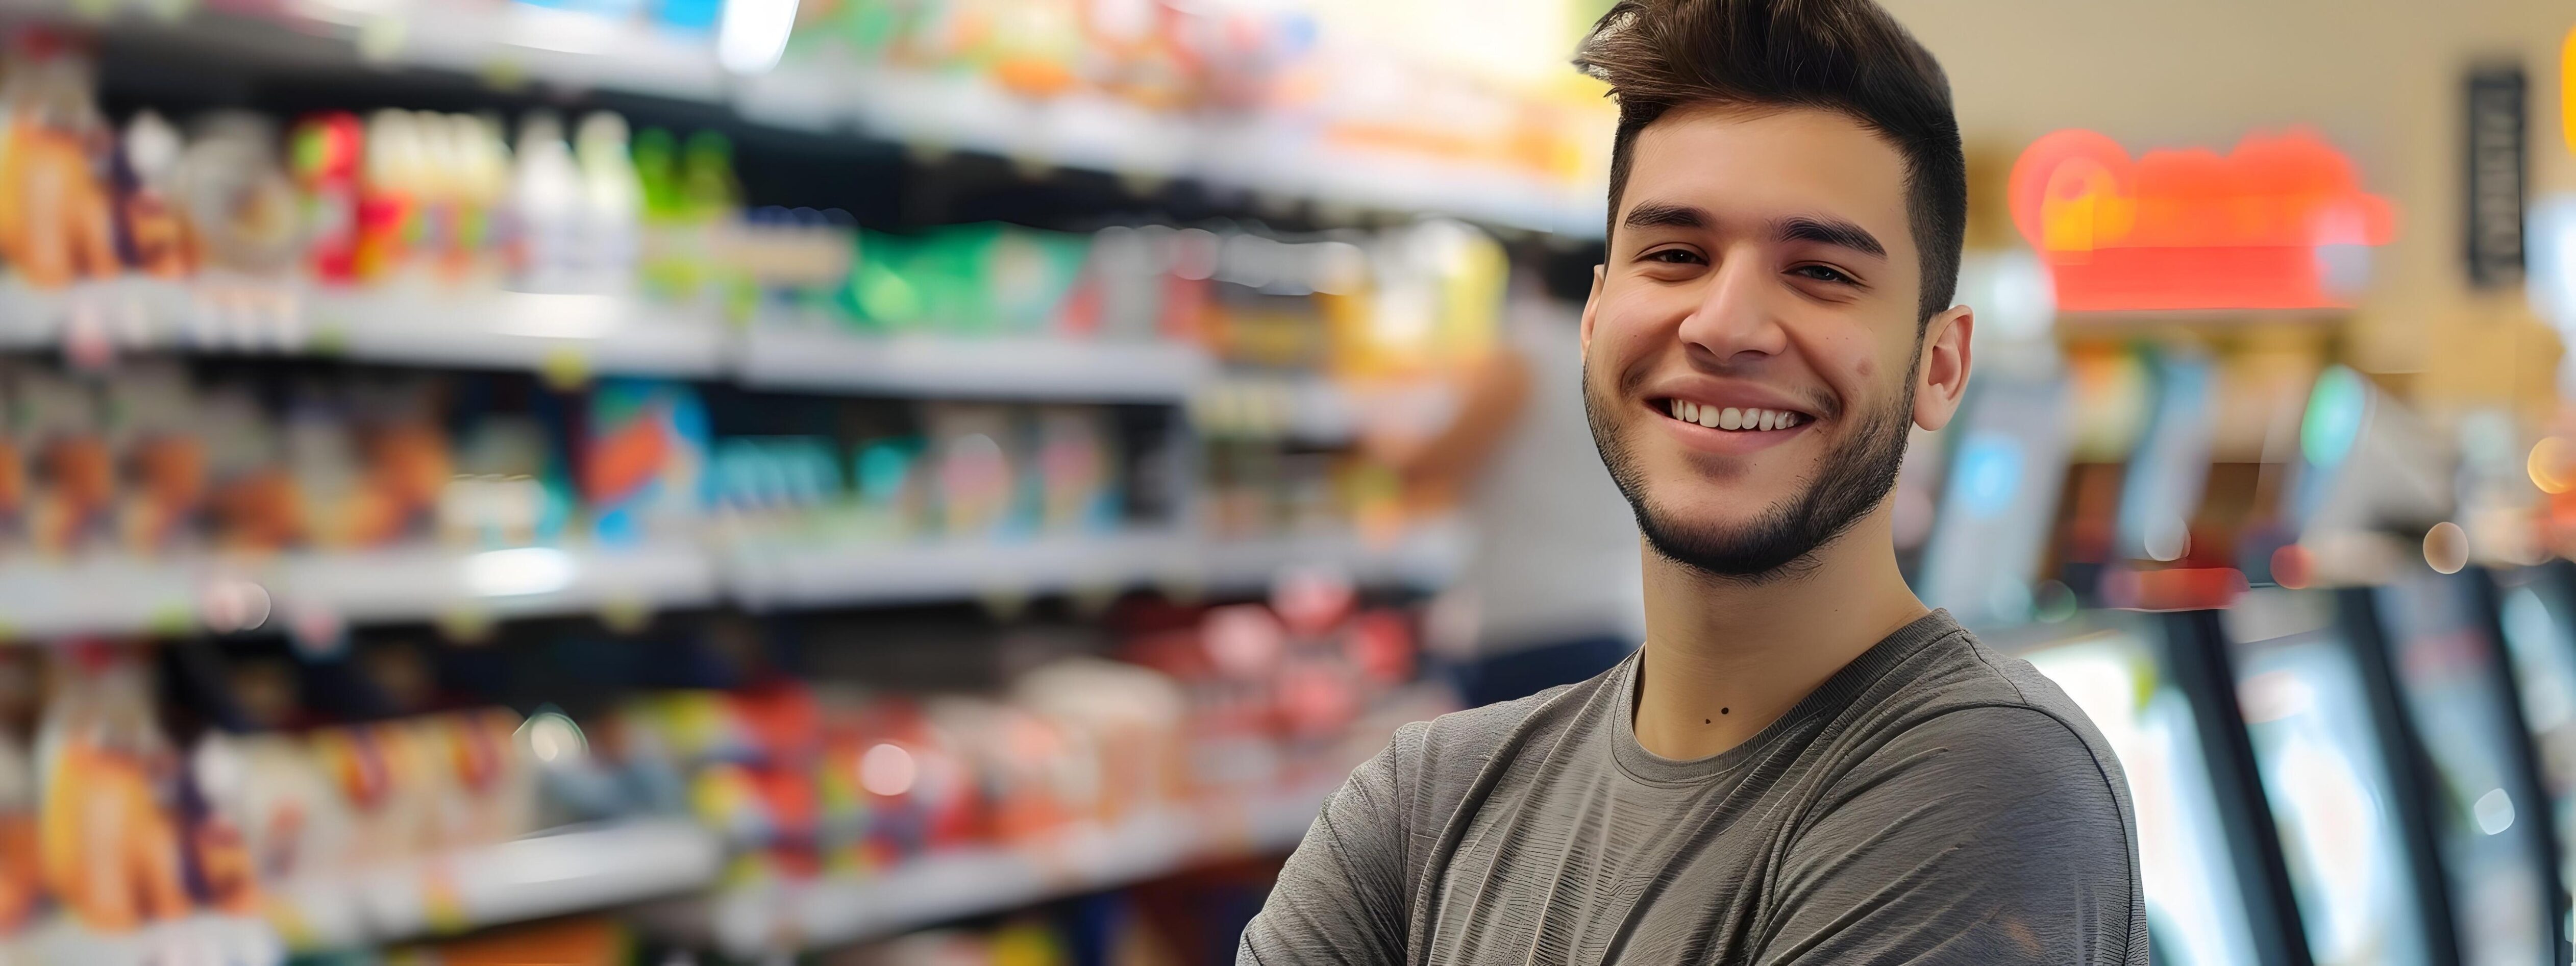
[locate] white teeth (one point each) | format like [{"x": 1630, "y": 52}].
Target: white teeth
[{"x": 1746, "y": 419}]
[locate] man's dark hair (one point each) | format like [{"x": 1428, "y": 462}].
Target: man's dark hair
[{"x": 1846, "y": 56}]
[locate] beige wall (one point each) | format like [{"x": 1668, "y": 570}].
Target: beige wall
[{"x": 2380, "y": 78}]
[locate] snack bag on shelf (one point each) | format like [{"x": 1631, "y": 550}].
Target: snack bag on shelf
[
  {"x": 325, "y": 149},
  {"x": 645, "y": 465},
  {"x": 57, "y": 213},
  {"x": 73, "y": 489},
  {"x": 162, "y": 459},
  {"x": 340, "y": 512},
  {"x": 255, "y": 504},
  {"x": 404, "y": 450},
  {"x": 154, "y": 236},
  {"x": 109, "y": 841}
]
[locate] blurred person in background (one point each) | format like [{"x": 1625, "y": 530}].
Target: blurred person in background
[
  {"x": 1549, "y": 594},
  {"x": 1801, "y": 764}
]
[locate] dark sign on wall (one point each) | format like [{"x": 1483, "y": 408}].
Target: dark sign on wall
[{"x": 2496, "y": 131}]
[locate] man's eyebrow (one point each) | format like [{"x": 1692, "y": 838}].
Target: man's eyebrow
[
  {"x": 1659, "y": 214},
  {"x": 1828, "y": 231}
]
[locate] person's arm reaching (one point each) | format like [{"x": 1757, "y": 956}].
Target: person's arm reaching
[
  {"x": 1345, "y": 895},
  {"x": 1984, "y": 836}
]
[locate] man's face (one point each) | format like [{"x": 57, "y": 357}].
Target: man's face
[{"x": 1761, "y": 273}]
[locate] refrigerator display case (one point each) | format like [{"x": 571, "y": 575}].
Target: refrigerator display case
[
  {"x": 2322, "y": 751},
  {"x": 2482, "y": 792},
  {"x": 2202, "y": 880},
  {"x": 2536, "y": 615}
]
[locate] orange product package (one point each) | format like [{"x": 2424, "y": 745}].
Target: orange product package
[{"x": 108, "y": 842}]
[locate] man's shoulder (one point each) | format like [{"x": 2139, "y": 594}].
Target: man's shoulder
[{"x": 1991, "y": 720}]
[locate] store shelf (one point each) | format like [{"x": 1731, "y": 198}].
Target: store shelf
[
  {"x": 959, "y": 885},
  {"x": 786, "y": 356},
  {"x": 209, "y": 939},
  {"x": 513, "y": 44},
  {"x": 566, "y": 335},
  {"x": 124, "y": 595},
  {"x": 776, "y": 576},
  {"x": 571, "y": 335},
  {"x": 550, "y": 874}
]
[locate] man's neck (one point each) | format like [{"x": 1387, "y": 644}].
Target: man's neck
[{"x": 1725, "y": 658}]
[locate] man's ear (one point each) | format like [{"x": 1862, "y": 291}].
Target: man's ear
[
  {"x": 1941, "y": 375},
  {"x": 1591, "y": 303}
]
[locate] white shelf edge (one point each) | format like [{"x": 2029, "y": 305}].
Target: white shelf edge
[
  {"x": 973, "y": 882},
  {"x": 125, "y": 595},
  {"x": 791, "y": 356}
]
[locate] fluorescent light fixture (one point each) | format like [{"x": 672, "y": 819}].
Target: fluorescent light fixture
[
  {"x": 513, "y": 573},
  {"x": 753, "y": 34}
]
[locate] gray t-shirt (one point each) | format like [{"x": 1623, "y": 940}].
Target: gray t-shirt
[{"x": 1932, "y": 802}]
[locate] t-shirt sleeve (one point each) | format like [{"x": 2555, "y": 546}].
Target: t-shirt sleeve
[
  {"x": 1342, "y": 898},
  {"x": 1989, "y": 835}
]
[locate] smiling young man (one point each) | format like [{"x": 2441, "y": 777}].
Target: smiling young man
[{"x": 1801, "y": 764}]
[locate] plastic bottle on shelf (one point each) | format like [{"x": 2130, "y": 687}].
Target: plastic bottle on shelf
[
  {"x": 389, "y": 197},
  {"x": 612, "y": 198},
  {"x": 324, "y": 154},
  {"x": 546, "y": 198},
  {"x": 483, "y": 187}
]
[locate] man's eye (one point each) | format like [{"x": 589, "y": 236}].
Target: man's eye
[
  {"x": 1674, "y": 256},
  {"x": 1821, "y": 273}
]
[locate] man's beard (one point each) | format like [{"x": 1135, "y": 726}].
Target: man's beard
[{"x": 1851, "y": 480}]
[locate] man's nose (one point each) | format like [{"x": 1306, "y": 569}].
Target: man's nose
[{"x": 1738, "y": 315}]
